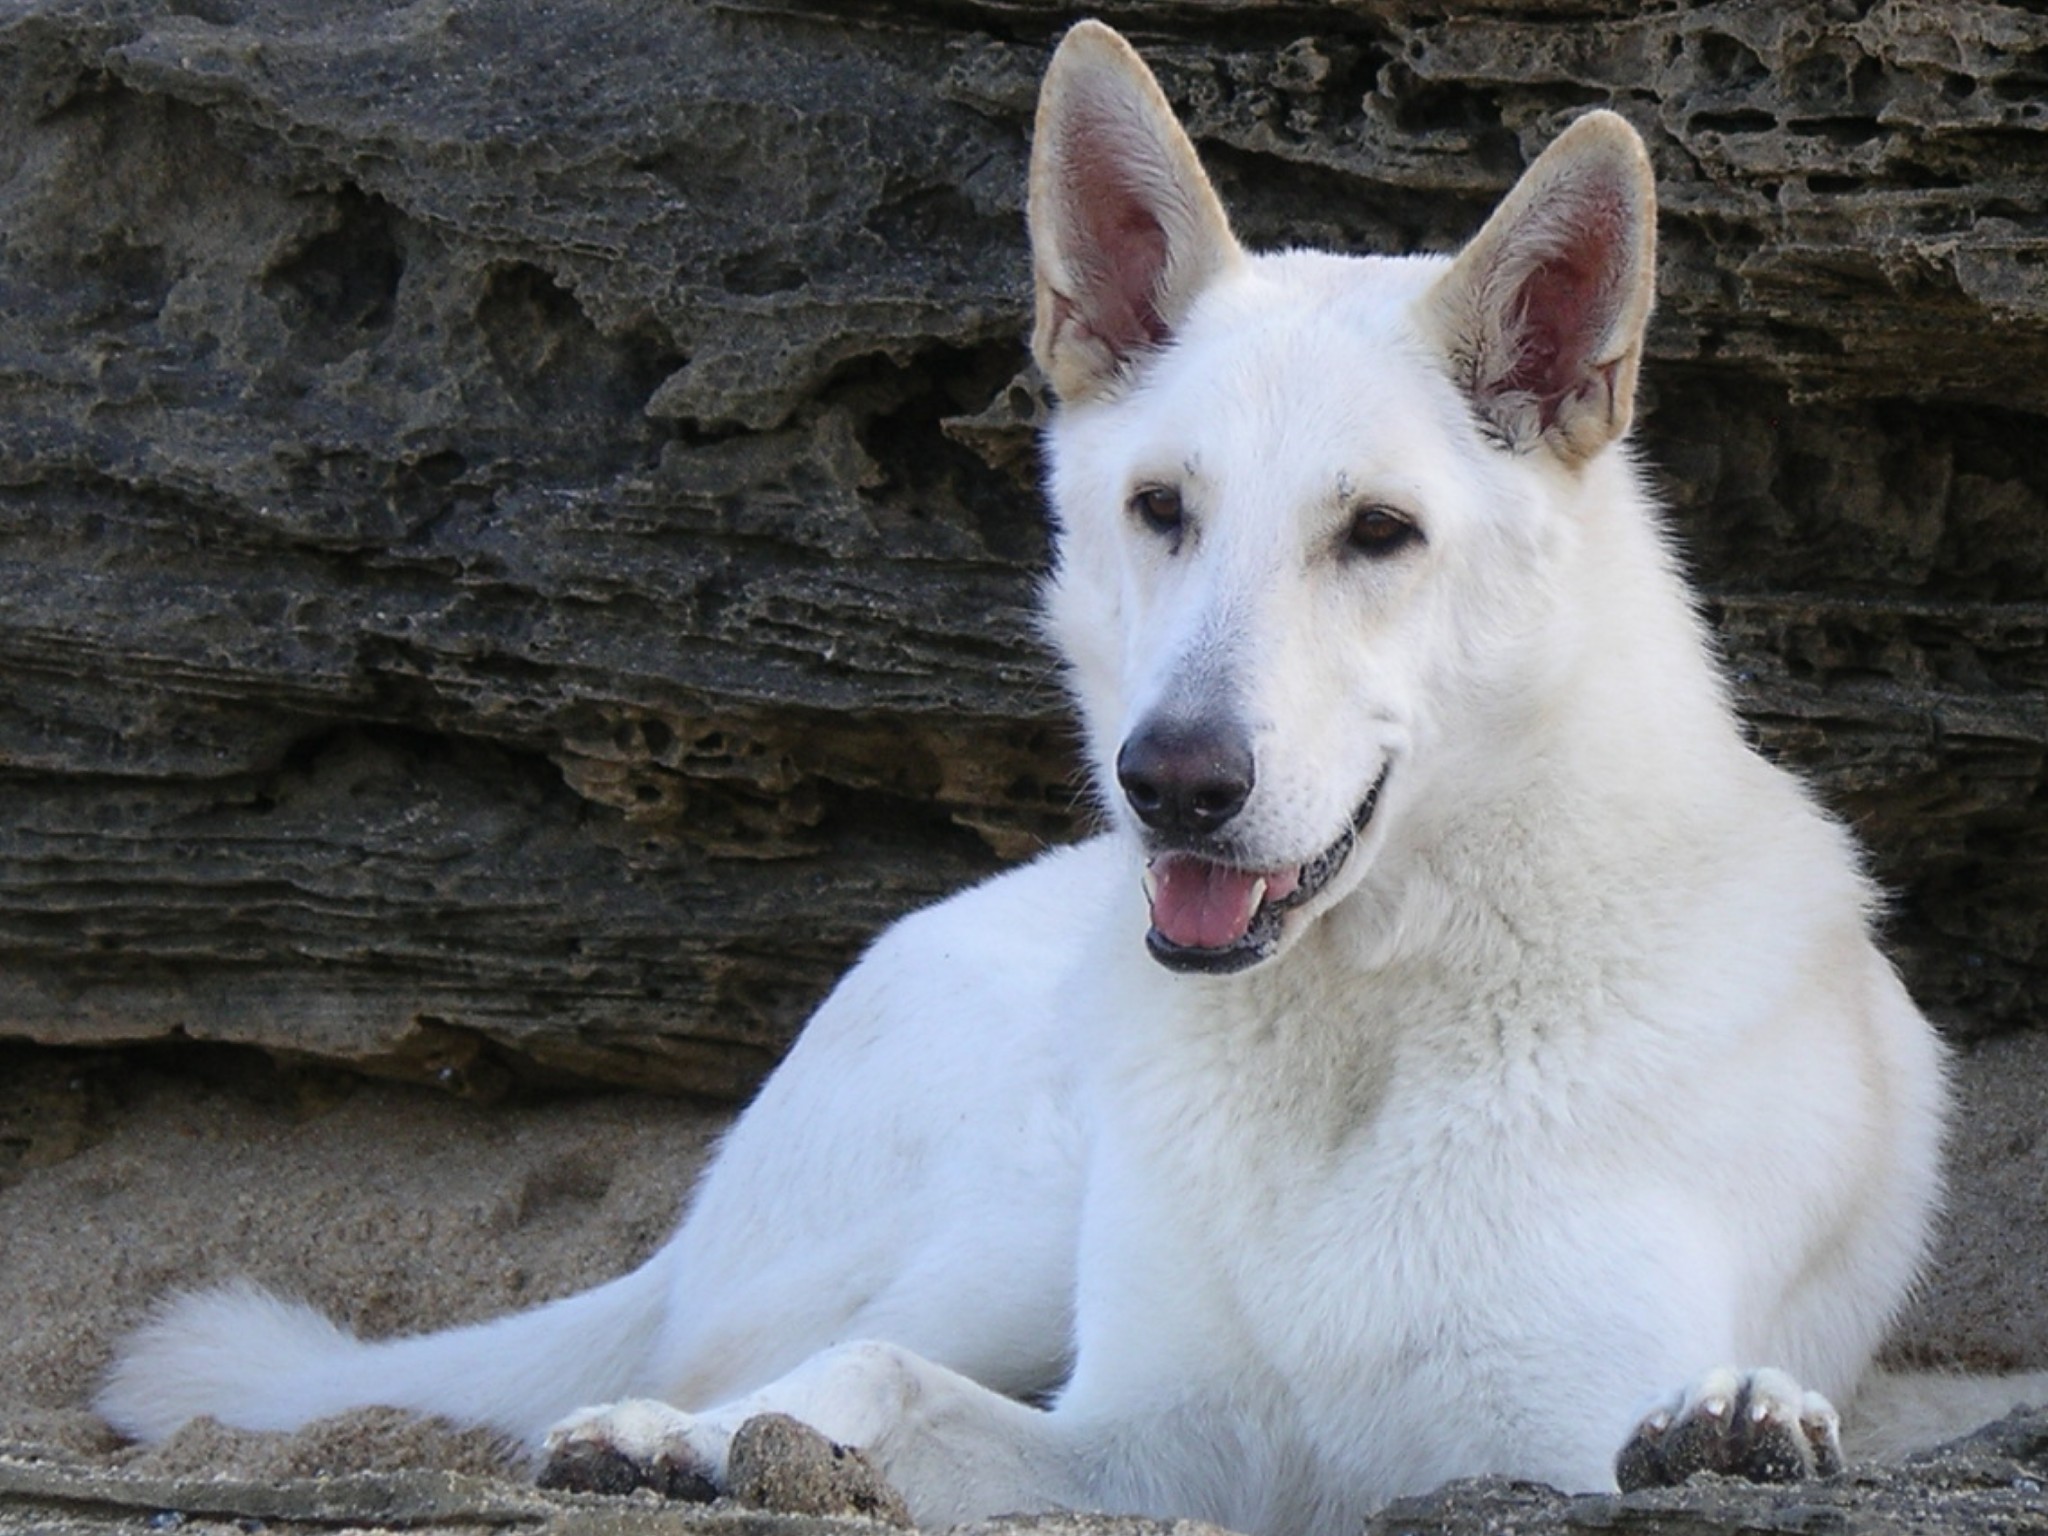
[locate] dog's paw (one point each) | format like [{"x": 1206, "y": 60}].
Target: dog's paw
[
  {"x": 1758, "y": 1424},
  {"x": 638, "y": 1443}
]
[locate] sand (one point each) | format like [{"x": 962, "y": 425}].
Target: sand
[
  {"x": 397, "y": 1208},
  {"x": 392, "y": 1208}
]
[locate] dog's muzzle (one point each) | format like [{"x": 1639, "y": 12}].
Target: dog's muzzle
[{"x": 1215, "y": 919}]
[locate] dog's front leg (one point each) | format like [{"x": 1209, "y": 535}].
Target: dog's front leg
[{"x": 954, "y": 1449}]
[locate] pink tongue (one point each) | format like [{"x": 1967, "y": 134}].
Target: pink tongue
[{"x": 1199, "y": 905}]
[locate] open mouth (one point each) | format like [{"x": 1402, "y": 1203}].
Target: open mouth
[{"x": 1216, "y": 918}]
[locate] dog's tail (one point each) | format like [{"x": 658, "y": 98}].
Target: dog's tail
[{"x": 256, "y": 1361}]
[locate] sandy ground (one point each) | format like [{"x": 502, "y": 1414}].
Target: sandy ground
[
  {"x": 392, "y": 1208},
  {"x": 397, "y": 1208}
]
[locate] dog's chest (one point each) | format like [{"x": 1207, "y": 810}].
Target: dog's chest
[{"x": 1405, "y": 1246}]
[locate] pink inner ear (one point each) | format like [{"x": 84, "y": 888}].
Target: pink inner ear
[
  {"x": 1565, "y": 307},
  {"x": 1118, "y": 256}
]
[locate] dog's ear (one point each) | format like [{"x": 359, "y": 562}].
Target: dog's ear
[
  {"x": 1125, "y": 228},
  {"x": 1542, "y": 315}
]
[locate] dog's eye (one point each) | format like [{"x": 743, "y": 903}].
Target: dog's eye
[
  {"x": 1380, "y": 531},
  {"x": 1158, "y": 508}
]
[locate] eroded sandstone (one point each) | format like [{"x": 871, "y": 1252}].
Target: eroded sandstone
[{"x": 517, "y": 521}]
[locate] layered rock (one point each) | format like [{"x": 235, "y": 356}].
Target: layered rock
[{"x": 519, "y": 532}]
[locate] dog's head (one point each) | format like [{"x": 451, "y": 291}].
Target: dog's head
[{"x": 1306, "y": 503}]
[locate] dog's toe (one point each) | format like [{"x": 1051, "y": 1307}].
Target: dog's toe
[
  {"x": 624, "y": 1446},
  {"x": 1760, "y": 1425}
]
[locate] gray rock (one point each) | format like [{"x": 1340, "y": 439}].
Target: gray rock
[
  {"x": 1992, "y": 1481},
  {"x": 517, "y": 521}
]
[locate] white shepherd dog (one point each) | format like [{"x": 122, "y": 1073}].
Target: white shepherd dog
[{"x": 1463, "y": 1055}]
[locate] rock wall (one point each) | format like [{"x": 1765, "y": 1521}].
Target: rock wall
[{"x": 516, "y": 520}]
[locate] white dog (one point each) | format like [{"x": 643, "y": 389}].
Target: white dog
[{"x": 1462, "y": 1056}]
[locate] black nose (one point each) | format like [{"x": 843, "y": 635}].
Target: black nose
[{"x": 1186, "y": 778}]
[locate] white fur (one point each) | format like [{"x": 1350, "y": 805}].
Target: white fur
[{"x": 1582, "y": 1080}]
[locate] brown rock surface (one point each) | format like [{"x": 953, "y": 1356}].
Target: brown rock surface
[{"x": 779, "y": 1463}]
